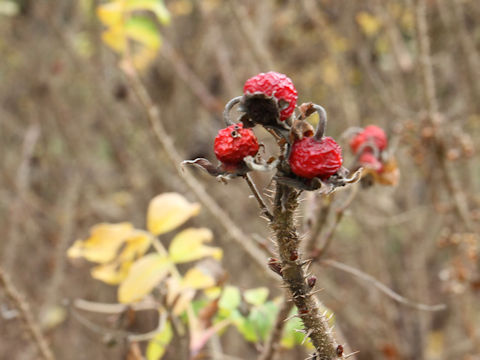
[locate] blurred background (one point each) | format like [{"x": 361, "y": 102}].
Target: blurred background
[{"x": 76, "y": 149}]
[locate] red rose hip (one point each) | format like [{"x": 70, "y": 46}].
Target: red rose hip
[
  {"x": 233, "y": 143},
  {"x": 311, "y": 157},
  {"x": 270, "y": 84},
  {"x": 370, "y": 161},
  {"x": 371, "y": 133}
]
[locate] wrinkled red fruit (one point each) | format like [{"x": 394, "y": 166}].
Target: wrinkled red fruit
[
  {"x": 368, "y": 160},
  {"x": 371, "y": 133},
  {"x": 311, "y": 158},
  {"x": 233, "y": 143},
  {"x": 277, "y": 85}
]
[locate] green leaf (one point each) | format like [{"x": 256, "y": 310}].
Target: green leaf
[
  {"x": 188, "y": 246},
  {"x": 143, "y": 276},
  {"x": 246, "y": 327},
  {"x": 292, "y": 337},
  {"x": 256, "y": 296},
  {"x": 230, "y": 298},
  {"x": 197, "y": 279},
  {"x": 158, "y": 345},
  {"x": 155, "y": 6},
  {"x": 143, "y": 30},
  {"x": 262, "y": 319}
]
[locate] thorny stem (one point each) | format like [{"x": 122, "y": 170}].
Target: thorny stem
[
  {"x": 26, "y": 314},
  {"x": 293, "y": 273},
  {"x": 258, "y": 197}
]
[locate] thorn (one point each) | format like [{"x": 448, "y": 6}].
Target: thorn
[
  {"x": 306, "y": 262},
  {"x": 309, "y": 332},
  {"x": 299, "y": 331},
  {"x": 291, "y": 317},
  {"x": 314, "y": 292},
  {"x": 286, "y": 267},
  {"x": 351, "y": 354}
]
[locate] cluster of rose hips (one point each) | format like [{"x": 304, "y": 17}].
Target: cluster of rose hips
[
  {"x": 369, "y": 145},
  {"x": 308, "y": 159}
]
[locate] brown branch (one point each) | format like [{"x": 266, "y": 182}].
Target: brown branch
[
  {"x": 261, "y": 203},
  {"x": 26, "y": 314},
  {"x": 293, "y": 273}
]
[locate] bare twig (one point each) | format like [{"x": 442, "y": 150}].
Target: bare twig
[
  {"x": 328, "y": 237},
  {"x": 383, "y": 288},
  {"x": 26, "y": 314},
  {"x": 22, "y": 180},
  {"x": 258, "y": 197}
]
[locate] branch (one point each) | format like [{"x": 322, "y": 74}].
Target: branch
[
  {"x": 293, "y": 273},
  {"x": 258, "y": 197},
  {"x": 383, "y": 288},
  {"x": 26, "y": 314}
]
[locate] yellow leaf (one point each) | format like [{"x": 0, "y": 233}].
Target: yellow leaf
[
  {"x": 111, "y": 13},
  {"x": 115, "y": 272},
  {"x": 168, "y": 211},
  {"x": 137, "y": 244},
  {"x": 112, "y": 273},
  {"x": 188, "y": 246},
  {"x": 155, "y": 6},
  {"x": 143, "y": 276},
  {"x": 213, "y": 292},
  {"x": 369, "y": 24},
  {"x": 115, "y": 38},
  {"x": 197, "y": 279},
  {"x": 103, "y": 244},
  {"x": 144, "y": 31}
]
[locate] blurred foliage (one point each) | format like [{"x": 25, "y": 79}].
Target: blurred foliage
[
  {"x": 122, "y": 252},
  {"x": 130, "y": 33}
]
